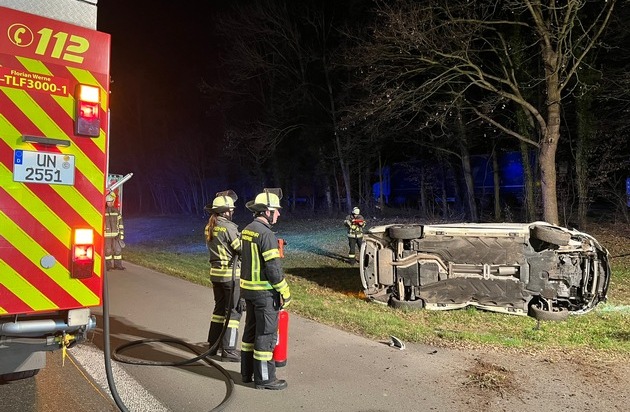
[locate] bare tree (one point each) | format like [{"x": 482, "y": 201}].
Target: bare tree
[{"x": 419, "y": 49}]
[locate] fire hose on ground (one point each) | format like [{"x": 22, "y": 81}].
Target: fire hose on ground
[{"x": 229, "y": 383}]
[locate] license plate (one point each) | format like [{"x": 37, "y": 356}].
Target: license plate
[{"x": 43, "y": 167}]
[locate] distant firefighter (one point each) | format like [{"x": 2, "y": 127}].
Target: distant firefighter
[
  {"x": 114, "y": 234},
  {"x": 354, "y": 223}
]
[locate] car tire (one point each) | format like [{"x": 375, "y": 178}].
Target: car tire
[
  {"x": 405, "y": 232},
  {"x": 16, "y": 376},
  {"x": 406, "y": 304},
  {"x": 558, "y": 315},
  {"x": 550, "y": 235}
]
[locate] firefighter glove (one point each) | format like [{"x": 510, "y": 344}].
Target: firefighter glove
[
  {"x": 286, "y": 296},
  {"x": 240, "y": 306},
  {"x": 286, "y": 300}
]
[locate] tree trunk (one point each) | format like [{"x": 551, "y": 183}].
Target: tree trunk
[
  {"x": 548, "y": 149},
  {"x": 466, "y": 169}
]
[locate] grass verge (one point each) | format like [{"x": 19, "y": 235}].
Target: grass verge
[{"x": 328, "y": 290}]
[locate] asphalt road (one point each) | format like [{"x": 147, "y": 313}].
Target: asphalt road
[{"x": 327, "y": 370}]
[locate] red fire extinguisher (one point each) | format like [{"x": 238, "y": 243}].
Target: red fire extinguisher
[{"x": 282, "y": 345}]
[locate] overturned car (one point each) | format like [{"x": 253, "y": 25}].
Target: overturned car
[{"x": 534, "y": 269}]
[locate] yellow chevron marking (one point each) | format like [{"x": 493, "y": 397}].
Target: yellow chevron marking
[
  {"x": 69, "y": 193},
  {"x": 42, "y": 212},
  {"x": 3, "y": 311},
  {"x": 59, "y": 274},
  {"x": 49, "y": 128},
  {"x": 67, "y": 104},
  {"x": 83, "y": 77},
  {"x": 21, "y": 288}
]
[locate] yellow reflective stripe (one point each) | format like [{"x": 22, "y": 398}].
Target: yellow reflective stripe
[
  {"x": 59, "y": 274},
  {"x": 251, "y": 285},
  {"x": 233, "y": 323},
  {"x": 247, "y": 347},
  {"x": 21, "y": 288},
  {"x": 271, "y": 254},
  {"x": 3, "y": 311},
  {"x": 224, "y": 272},
  {"x": 218, "y": 319},
  {"x": 281, "y": 286},
  {"x": 263, "y": 355},
  {"x": 255, "y": 263},
  {"x": 236, "y": 244},
  {"x": 225, "y": 259}
]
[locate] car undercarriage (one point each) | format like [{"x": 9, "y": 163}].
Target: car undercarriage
[{"x": 534, "y": 269}]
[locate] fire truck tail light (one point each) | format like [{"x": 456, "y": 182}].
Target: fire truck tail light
[
  {"x": 84, "y": 236},
  {"x": 87, "y": 122},
  {"x": 82, "y": 253}
]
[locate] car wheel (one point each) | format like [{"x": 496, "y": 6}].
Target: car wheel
[
  {"x": 406, "y": 304},
  {"x": 556, "y": 314},
  {"x": 16, "y": 376},
  {"x": 405, "y": 232},
  {"x": 551, "y": 235}
]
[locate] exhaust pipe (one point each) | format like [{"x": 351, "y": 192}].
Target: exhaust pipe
[{"x": 41, "y": 327}]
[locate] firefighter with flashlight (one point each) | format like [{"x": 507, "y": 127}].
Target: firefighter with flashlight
[
  {"x": 354, "y": 223},
  {"x": 114, "y": 234},
  {"x": 265, "y": 291},
  {"x": 224, "y": 244}
]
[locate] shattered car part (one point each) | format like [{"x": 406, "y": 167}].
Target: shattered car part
[{"x": 534, "y": 269}]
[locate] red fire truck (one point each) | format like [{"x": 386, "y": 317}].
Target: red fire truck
[{"x": 54, "y": 97}]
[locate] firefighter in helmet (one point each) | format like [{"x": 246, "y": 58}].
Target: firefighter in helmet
[
  {"x": 354, "y": 223},
  {"x": 224, "y": 245},
  {"x": 265, "y": 291},
  {"x": 114, "y": 234}
]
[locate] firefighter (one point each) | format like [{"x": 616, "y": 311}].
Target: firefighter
[
  {"x": 265, "y": 291},
  {"x": 114, "y": 234},
  {"x": 224, "y": 245},
  {"x": 354, "y": 223}
]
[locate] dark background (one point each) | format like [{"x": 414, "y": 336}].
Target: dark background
[{"x": 169, "y": 130}]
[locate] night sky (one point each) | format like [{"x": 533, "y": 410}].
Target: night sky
[{"x": 161, "y": 50}]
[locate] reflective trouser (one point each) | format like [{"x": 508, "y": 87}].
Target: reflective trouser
[
  {"x": 222, "y": 292},
  {"x": 354, "y": 242},
  {"x": 113, "y": 252},
  {"x": 259, "y": 336}
]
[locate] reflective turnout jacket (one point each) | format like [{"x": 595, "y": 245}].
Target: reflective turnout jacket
[
  {"x": 354, "y": 224},
  {"x": 225, "y": 243},
  {"x": 113, "y": 223},
  {"x": 261, "y": 269}
]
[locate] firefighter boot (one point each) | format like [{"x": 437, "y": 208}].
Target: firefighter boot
[
  {"x": 213, "y": 336},
  {"x": 230, "y": 355},
  {"x": 108, "y": 265},
  {"x": 276, "y": 385},
  {"x": 118, "y": 265}
]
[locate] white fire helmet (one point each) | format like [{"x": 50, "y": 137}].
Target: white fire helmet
[{"x": 356, "y": 211}]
